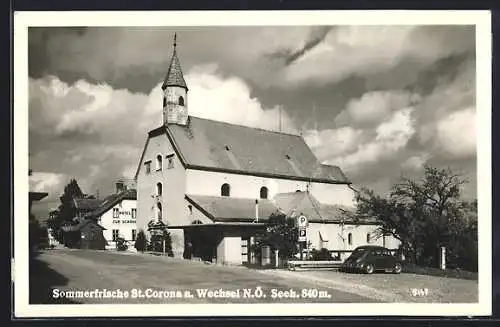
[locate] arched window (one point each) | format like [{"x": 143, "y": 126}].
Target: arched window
[
  {"x": 225, "y": 189},
  {"x": 197, "y": 222},
  {"x": 159, "y": 189},
  {"x": 159, "y": 212},
  {"x": 164, "y": 102},
  {"x": 158, "y": 162},
  {"x": 368, "y": 238},
  {"x": 181, "y": 101},
  {"x": 298, "y": 191},
  {"x": 263, "y": 192},
  {"x": 349, "y": 238}
]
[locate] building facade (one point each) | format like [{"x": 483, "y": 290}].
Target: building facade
[
  {"x": 214, "y": 184},
  {"x": 117, "y": 214}
]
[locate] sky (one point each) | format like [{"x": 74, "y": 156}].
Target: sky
[{"x": 378, "y": 101}]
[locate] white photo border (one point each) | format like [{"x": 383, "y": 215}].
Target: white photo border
[{"x": 480, "y": 18}]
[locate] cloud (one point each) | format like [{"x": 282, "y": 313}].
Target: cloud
[
  {"x": 390, "y": 137},
  {"x": 456, "y": 133},
  {"x": 374, "y": 107},
  {"x": 270, "y": 56},
  {"x": 95, "y": 133},
  {"x": 367, "y": 50}
]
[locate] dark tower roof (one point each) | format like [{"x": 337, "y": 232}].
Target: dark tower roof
[{"x": 174, "y": 75}]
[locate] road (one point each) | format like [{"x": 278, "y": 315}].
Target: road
[{"x": 151, "y": 279}]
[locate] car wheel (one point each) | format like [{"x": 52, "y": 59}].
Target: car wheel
[
  {"x": 397, "y": 268},
  {"x": 369, "y": 269}
]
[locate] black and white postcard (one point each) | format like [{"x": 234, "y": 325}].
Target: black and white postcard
[{"x": 297, "y": 163}]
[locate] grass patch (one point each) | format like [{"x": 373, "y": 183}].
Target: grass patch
[{"x": 450, "y": 273}]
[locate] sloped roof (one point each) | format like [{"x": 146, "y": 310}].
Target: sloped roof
[
  {"x": 222, "y": 209},
  {"x": 297, "y": 203},
  {"x": 110, "y": 201},
  {"x": 174, "y": 75},
  {"x": 80, "y": 225},
  {"x": 86, "y": 204},
  {"x": 37, "y": 196},
  {"x": 214, "y": 145}
]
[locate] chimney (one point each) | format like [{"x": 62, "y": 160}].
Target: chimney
[
  {"x": 256, "y": 210},
  {"x": 120, "y": 186}
]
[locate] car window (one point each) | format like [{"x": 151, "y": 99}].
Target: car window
[
  {"x": 377, "y": 252},
  {"x": 358, "y": 252}
]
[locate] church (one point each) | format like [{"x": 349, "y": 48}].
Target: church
[{"x": 214, "y": 184}]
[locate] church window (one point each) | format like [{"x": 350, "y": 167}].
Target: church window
[
  {"x": 349, "y": 238},
  {"x": 263, "y": 192},
  {"x": 170, "y": 161},
  {"x": 197, "y": 222},
  {"x": 164, "y": 102},
  {"x": 181, "y": 101},
  {"x": 368, "y": 238},
  {"x": 225, "y": 189},
  {"x": 158, "y": 162},
  {"x": 190, "y": 207},
  {"x": 147, "y": 164},
  {"x": 159, "y": 189}
]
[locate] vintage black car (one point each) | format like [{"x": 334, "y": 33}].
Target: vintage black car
[{"x": 371, "y": 258}]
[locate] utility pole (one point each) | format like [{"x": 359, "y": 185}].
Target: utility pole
[{"x": 279, "y": 113}]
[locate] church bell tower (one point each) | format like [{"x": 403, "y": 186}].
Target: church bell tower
[{"x": 175, "y": 104}]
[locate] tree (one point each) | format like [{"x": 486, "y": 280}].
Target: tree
[
  {"x": 424, "y": 215},
  {"x": 160, "y": 238},
  {"x": 66, "y": 211},
  {"x": 38, "y": 237},
  {"x": 280, "y": 234},
  {"x": 141, "y": 242}
]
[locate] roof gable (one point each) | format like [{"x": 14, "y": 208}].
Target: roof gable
[
  {"x": 86, "y": 204},
  {"x": 114, "y": 199}
]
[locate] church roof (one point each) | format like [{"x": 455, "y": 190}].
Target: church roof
[
  {"x": 295, "y": 204},
  {"x": 218, "y": 146},
  {"x": 220, "y": 208},
  {"x": 174, "y": 74}
]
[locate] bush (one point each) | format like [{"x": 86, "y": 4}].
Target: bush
[
  {"x": 141, "y": 242},
  {"x": 156, "y": 243},
  {"x": 321, "y": 255},
  {"x": 120, "y": 244}
]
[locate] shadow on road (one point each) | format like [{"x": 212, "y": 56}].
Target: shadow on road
[{"x": 41, "y": 282}]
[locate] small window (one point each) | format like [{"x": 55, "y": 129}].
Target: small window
[
  {"x": 134, "y": 234},
  {"x": 116, "y": 213},
  {"x": 181, "y": 101},
  {"x": 159, "y": 189},
  {"x": 349, "y": 238},
  {"x": 297, "y": 191},
  {"x": 158, "y": 162},
  {"x": 115, "y": 234},
  {"x": 368, "y": 238},
  {"x": 263, "y": 192},
  {"x": 170, "y": 162},
  {"x": 197, "y": 222},
  {"x": 225, "y": 190},
  {"x": 147, "y": 164},
  {"x": 134, "y": 213},
  {"x": 164, "y": 102},
  {"x": 190, "y": 207},
  {"x": 287, "y": 157}
]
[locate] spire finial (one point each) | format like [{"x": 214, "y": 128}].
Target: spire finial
[{"x": 175, "y": 40}]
